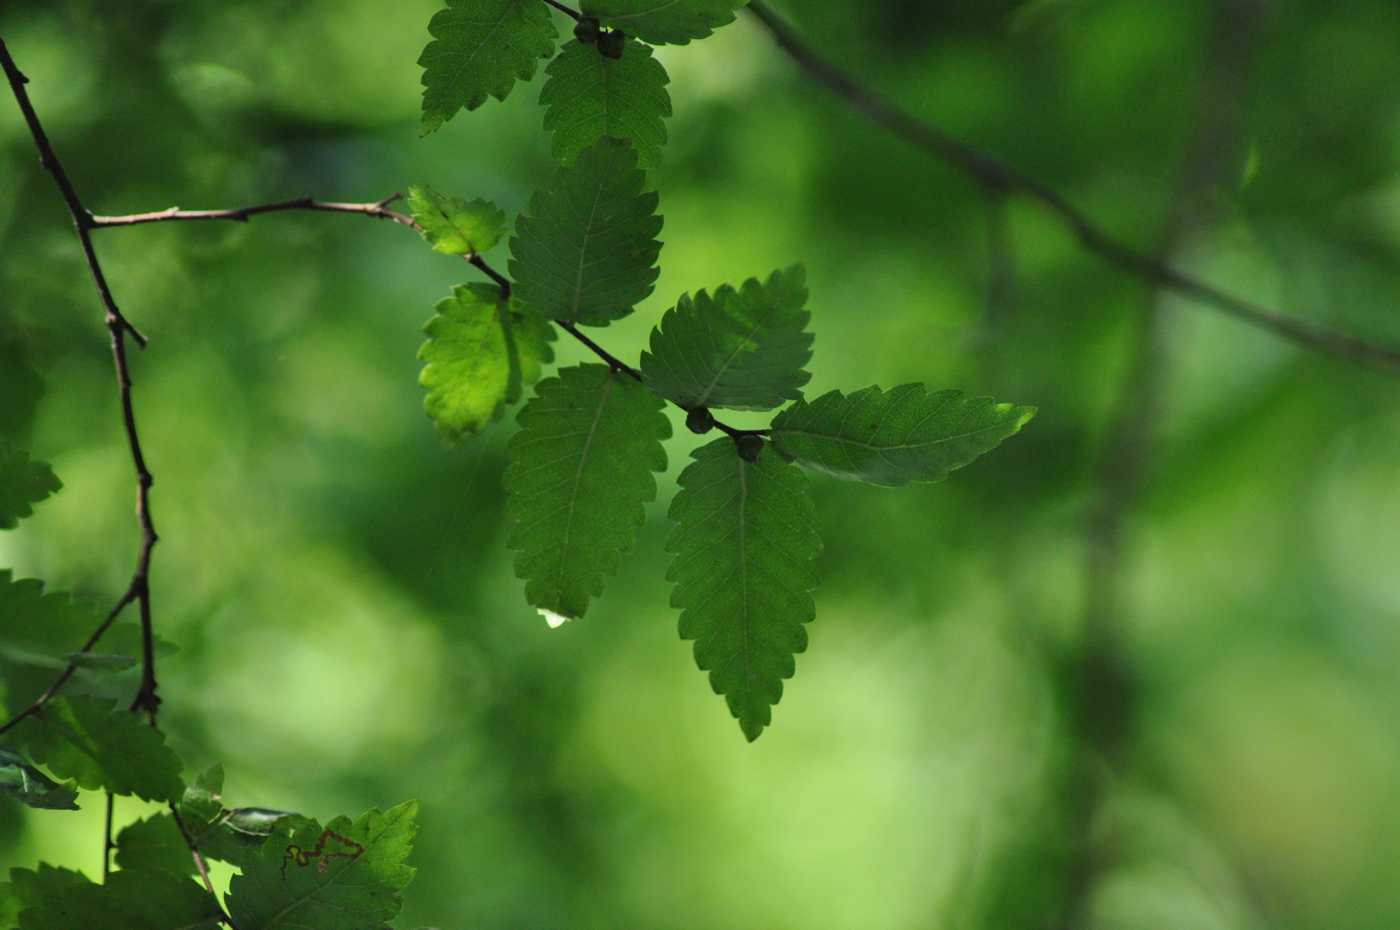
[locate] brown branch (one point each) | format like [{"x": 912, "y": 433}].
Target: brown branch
[
  {"x": 993, "y": 173},
  {"x": 200, "y": 865},
  {"x": 119, "y": 328}
]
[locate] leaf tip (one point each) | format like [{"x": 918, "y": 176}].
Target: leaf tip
[{"x": 553, "y": 619}]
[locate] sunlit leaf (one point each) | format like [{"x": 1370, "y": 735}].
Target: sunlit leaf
[{"x": 456, "y": 227}]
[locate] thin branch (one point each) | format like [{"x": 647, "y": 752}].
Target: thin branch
[
  {"x": 107, "y": 844},
  {"x": 119, "y": 328},
  {"x": 572, "y": 14},
  {"x": 52, "y": 690},
  {"x": 1001, "y": 264},
  {"x": 993, "y": 173},
  {"x": 200, "y": 865}
]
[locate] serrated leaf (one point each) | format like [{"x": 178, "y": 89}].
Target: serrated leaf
[
  {"x": 587, "y": 251},
  {"x": 479, "y": 49},
  {"x": 455, "y": 227},
  {"x": 744, "y": 349},
  {"x": 589, "y": 96},
  {"x": 745, "y": 542},
  {"x": 139, "y": 899},
  {"x": 100, "y": 746},
  {"x": 894, "y": 437},
  {"x": 23, "y": 483},
  {"x": 154, "y": 843},
  {"x": 579, "y": 472},
  {"x": 347, "y": 876},
  {"x": 28, "y": 785},
  {"x": 662, "y": 22},
  {"x": 40, "y": 634},
  {"x": 479, "y": 358}
]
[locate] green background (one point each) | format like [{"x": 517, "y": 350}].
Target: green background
[{"x": 350, "y": 631}]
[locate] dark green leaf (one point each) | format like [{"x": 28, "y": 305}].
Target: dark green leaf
[
  {"x": 579, "y": 472},
  {"x": 587, "y": 251},
  {"x": 479, "y": 49},
  {"x": 23, "y": 483},
  {"x": 740, "y": 348},
  {"x": 154, "y": 843},
  {"x": 589, "y": 96},
  {"x": 893, "y": 437},
  {"x": 456, "y": 227},
  {"x": 140, "y": 899},
  {"x": 28, "y": 785},
  {"x": 479, "y": 357},
  {"x": 346, "y": 876},
  {"x": 745, "y": 542},
  {"x": 664, "y": 21},
  {"x": 102, "y": 747}
]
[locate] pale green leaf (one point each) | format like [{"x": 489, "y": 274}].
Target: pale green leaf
[
  {"x": 23, "y": 483},
  {"x": 742, "y": 348},
  {"x": 589, "y": 96},
  {"x": 456, "y": 227},
  {"x": 745, "y": 542},
  {"x": 893, "y": 437},
  {"x": 587, "y": 251},
  {"x": 662, "y": 22},
  {"x": 28, "y": 785},
  {"x": 479, "y": 358},
  {"x": 348, "y": 875},
  {"x": 479, "y": 49},
  {"x": 138, "y": 899},
  {"x": 101, "y": 746},
  {"x": 579, "y": 472}
]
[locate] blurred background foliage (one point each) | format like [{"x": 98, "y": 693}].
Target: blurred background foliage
[{"x": 350, "y": 630}]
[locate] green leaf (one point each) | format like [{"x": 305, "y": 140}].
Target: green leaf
[
  {"x": 740, "y": 348},
  {"x": 102, "y": 747},
  {"x": 479, "y": 357},
  {"x": 480, "y": 48},
  {"x": 579, "y": 472},
  {"x": 139, "y": 899},
  {"x": 589, "y": 96},
  {"x": 40, "y": 633},
  {"x": 893, "y": 437},
  {"x": 456, "y": 227},
  {"x": 662, "y": 22},
  {"x": 587, "y": 252},
  {"x": 347, "y": 876},
  {"x": 23, "y": 483},
  {"x": 28, "y": 785},
  {"x": 745, "y": 542},
  {"x": 10, "y": 906},
  {"x": 154, "y": 843}
]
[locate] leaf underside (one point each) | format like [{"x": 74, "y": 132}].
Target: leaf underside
[
  {"x": 348, "y": 875},
  {"x": 479, "y": 49},
  {"x": 745, "y": 542},
  {"x": 578, "y": 473},
  {"x": 479, "y": 357},
  {"x": 589, "y": 96},
  {"x": 24, "y": 783},
  {"x": 893, "y": 437},
  {"x": 587, "y": 251},
  {"x": 662, "y": 22},
  {"x": 744, "y": 349}
]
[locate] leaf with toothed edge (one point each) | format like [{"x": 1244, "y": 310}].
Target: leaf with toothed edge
[
  {"x": 28, "y": 785},
  {"x": 662, "y": 22},
  {"x": 49, "y": 898},
  {"x": 893, "y": 437},
  {"x": 455, "y": 227},
  {"x": 578, "y": 473},
  {"x": 586, "y": 251},
  {"x": 745, "y": 543},
  {"x": 589, "y": 96},
  {"x": 744, "y": 349},
  {"x": 23, "y": 483},
  {"x": 479, "y": 49},
  {"x": 480, "y": 356}
]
